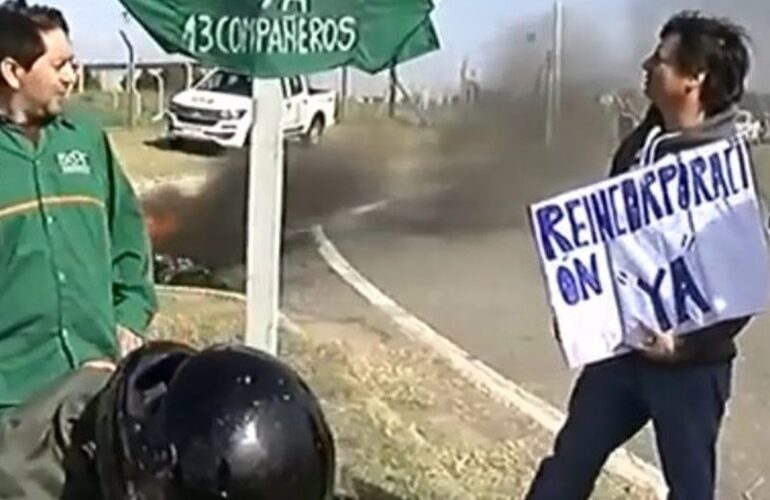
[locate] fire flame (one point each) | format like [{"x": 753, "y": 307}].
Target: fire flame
[{"x": 161, "y": 227}]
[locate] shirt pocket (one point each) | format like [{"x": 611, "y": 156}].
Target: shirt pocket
[{"x": 76, "y": 175}]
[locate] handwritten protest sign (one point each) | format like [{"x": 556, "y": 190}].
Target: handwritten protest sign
[{"x": 677, "y": 246}]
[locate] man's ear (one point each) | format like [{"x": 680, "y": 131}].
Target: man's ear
[
  {"x": 11, "y": 72},
  {"x": 696, "y": 81}
]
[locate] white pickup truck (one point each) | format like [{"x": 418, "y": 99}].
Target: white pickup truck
[{"x": 219, "y": 109}]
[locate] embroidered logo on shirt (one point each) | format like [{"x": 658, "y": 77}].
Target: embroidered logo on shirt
[{"x": 74, "y": 162}]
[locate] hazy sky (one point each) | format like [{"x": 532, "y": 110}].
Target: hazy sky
[{"x": 485, "y": 31}]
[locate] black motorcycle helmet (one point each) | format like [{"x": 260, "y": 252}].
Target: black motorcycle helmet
[{"x": 228, "y": 422}]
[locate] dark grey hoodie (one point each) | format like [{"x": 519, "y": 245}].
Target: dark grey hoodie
[{"x": 648, "y": 143}]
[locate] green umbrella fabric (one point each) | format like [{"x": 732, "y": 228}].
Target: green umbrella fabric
[{"x": 278, "y": 38}]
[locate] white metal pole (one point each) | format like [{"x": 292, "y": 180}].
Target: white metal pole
[
  {"x": 138, "y": 98},
  {"x": 131, "y": 89},
  {"x": 188, "y": 74},
  {"x": 265, "y": 217},
  {"x": 158, "y": 75},
  {"x": 81, "y": 79}
]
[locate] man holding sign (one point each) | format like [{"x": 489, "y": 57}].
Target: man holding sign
[{"x": 653, "y": 273}]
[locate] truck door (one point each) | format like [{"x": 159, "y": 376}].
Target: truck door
[{"x": 293, "y": 102}]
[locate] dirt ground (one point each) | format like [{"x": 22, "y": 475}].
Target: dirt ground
[{"x": 406, "y": 426}]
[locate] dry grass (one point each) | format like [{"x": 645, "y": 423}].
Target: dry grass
[
  {"x": 407, "y": 427},
  {"x": 142, "y": 155}
]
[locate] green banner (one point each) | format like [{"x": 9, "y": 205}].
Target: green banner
[{"x": 277, "y": 38}]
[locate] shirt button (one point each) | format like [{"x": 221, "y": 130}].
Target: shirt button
[
  {"x": 49, "y": 220},
  {"x": 64, "y": 332},
  {"x": 62, "y": 277}
]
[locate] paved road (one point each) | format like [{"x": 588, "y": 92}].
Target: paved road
[{"x": 483, "y": 290}]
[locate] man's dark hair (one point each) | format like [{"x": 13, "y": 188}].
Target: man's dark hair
[
  {"x": 47, "y": 18},
  {"x": 14, "y": 4},
  {"x": 20, "y": 38},
  {"x": 20, "y": 31},
  {"x": 716, "y": 47}
]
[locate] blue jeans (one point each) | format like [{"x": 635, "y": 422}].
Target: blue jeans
[{"x": 613, "y": 400}]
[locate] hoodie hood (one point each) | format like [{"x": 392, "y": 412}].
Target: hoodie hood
[{"x": 649, "y": 142}]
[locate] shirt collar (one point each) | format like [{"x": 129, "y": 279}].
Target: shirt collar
[{"x": 56, "y": 121}]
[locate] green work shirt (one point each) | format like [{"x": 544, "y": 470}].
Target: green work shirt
[{"x": 74, "y": 255}]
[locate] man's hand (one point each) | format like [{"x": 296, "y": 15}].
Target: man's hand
[
  {"x": 128, "y": 341},
  {"x": 659, "y": 346}
]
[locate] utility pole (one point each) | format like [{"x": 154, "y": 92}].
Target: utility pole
[
  {"x": 558, "y": 52},
  {"x": 554, "y": 73},
  {"x": 343, "y": 92},
  {"x": 549, "y": 100}
]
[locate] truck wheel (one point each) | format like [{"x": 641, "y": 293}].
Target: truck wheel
[{"x": 315, "y": 132}]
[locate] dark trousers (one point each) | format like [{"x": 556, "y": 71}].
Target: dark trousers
[
  {"x": 35, "y": 437},
  {"x": 613, "y": 400}
]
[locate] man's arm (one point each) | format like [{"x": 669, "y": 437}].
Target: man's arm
[{"x": 132, "y": 285}]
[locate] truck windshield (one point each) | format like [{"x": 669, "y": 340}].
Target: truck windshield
[{"x": 227, "y": 83}]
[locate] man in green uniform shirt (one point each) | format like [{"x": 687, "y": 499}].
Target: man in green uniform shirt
[{"x": 75, "y": 284}]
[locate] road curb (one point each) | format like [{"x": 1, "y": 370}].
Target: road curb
[{"x": 622, "y": 463}]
